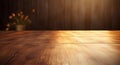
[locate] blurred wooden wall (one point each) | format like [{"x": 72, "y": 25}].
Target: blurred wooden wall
[{"x": 69, "y": 14}]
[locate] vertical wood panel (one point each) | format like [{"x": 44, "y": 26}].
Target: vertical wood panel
[
  {"x": 75, "y": 14},
  {"x": 52, "y": 14},
  {"x": 106, "y": 14},
  {"x": 87, "y": 14},
  {"x": 20, "y": 5},
  {"x": 68, "y": 14},
  {"x": 97, "y": 14},
  {"x": 81, "y": 12},
  {"x": 116, "y": 16},
  {"x": 4, "y": 11},
  {"x": 33, "y": 16},
  {"x": 60, "y": 14},
  {"x": 42, "y": 14},
  {"x": 56, "y": 14}
]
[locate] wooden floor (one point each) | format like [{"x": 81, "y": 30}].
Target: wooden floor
[{"x": 60, "y": 48}]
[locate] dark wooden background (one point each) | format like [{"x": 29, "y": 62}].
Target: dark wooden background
[{"x": 65, "y": 14}]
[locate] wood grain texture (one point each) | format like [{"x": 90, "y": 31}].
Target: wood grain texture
[
  {"x": 60, "y": 48},
  {"x": 66, "y": 14}
]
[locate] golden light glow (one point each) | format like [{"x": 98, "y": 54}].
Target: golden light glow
[
  {"x": 95, "y": 9},
  {"x": 83, "y": 47},
  {"x": 83, "y": 37}
]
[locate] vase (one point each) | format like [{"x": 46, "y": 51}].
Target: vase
[{"x": 20, "y": 27}]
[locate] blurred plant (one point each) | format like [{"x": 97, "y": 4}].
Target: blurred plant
[
  {"x": 19, "y": 19},
  {"x": 8, "y": 27}
]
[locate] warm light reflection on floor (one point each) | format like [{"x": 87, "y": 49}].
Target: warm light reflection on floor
[
  {"x": 85, "y": 48},
  {"x": 60, "y": 48},
  {"x": 84, "y": 37}
]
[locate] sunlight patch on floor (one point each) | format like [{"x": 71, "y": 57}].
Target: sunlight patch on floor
[{"x": 83, "y": 37}]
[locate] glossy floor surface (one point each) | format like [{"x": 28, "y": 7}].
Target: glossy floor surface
[{"x": 60, "y": 48}]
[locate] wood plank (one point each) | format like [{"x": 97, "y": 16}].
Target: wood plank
[
  {"x": 65, "y": 14},
  {"x": 60, "y": 48},
  {"x": 75, "y": 14},
  {"x": 42, "y": 14},
  {"x": 56, "y": 12},
  {"x": 68, "y": 14},
  {"x": 52, "y": 14}
]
